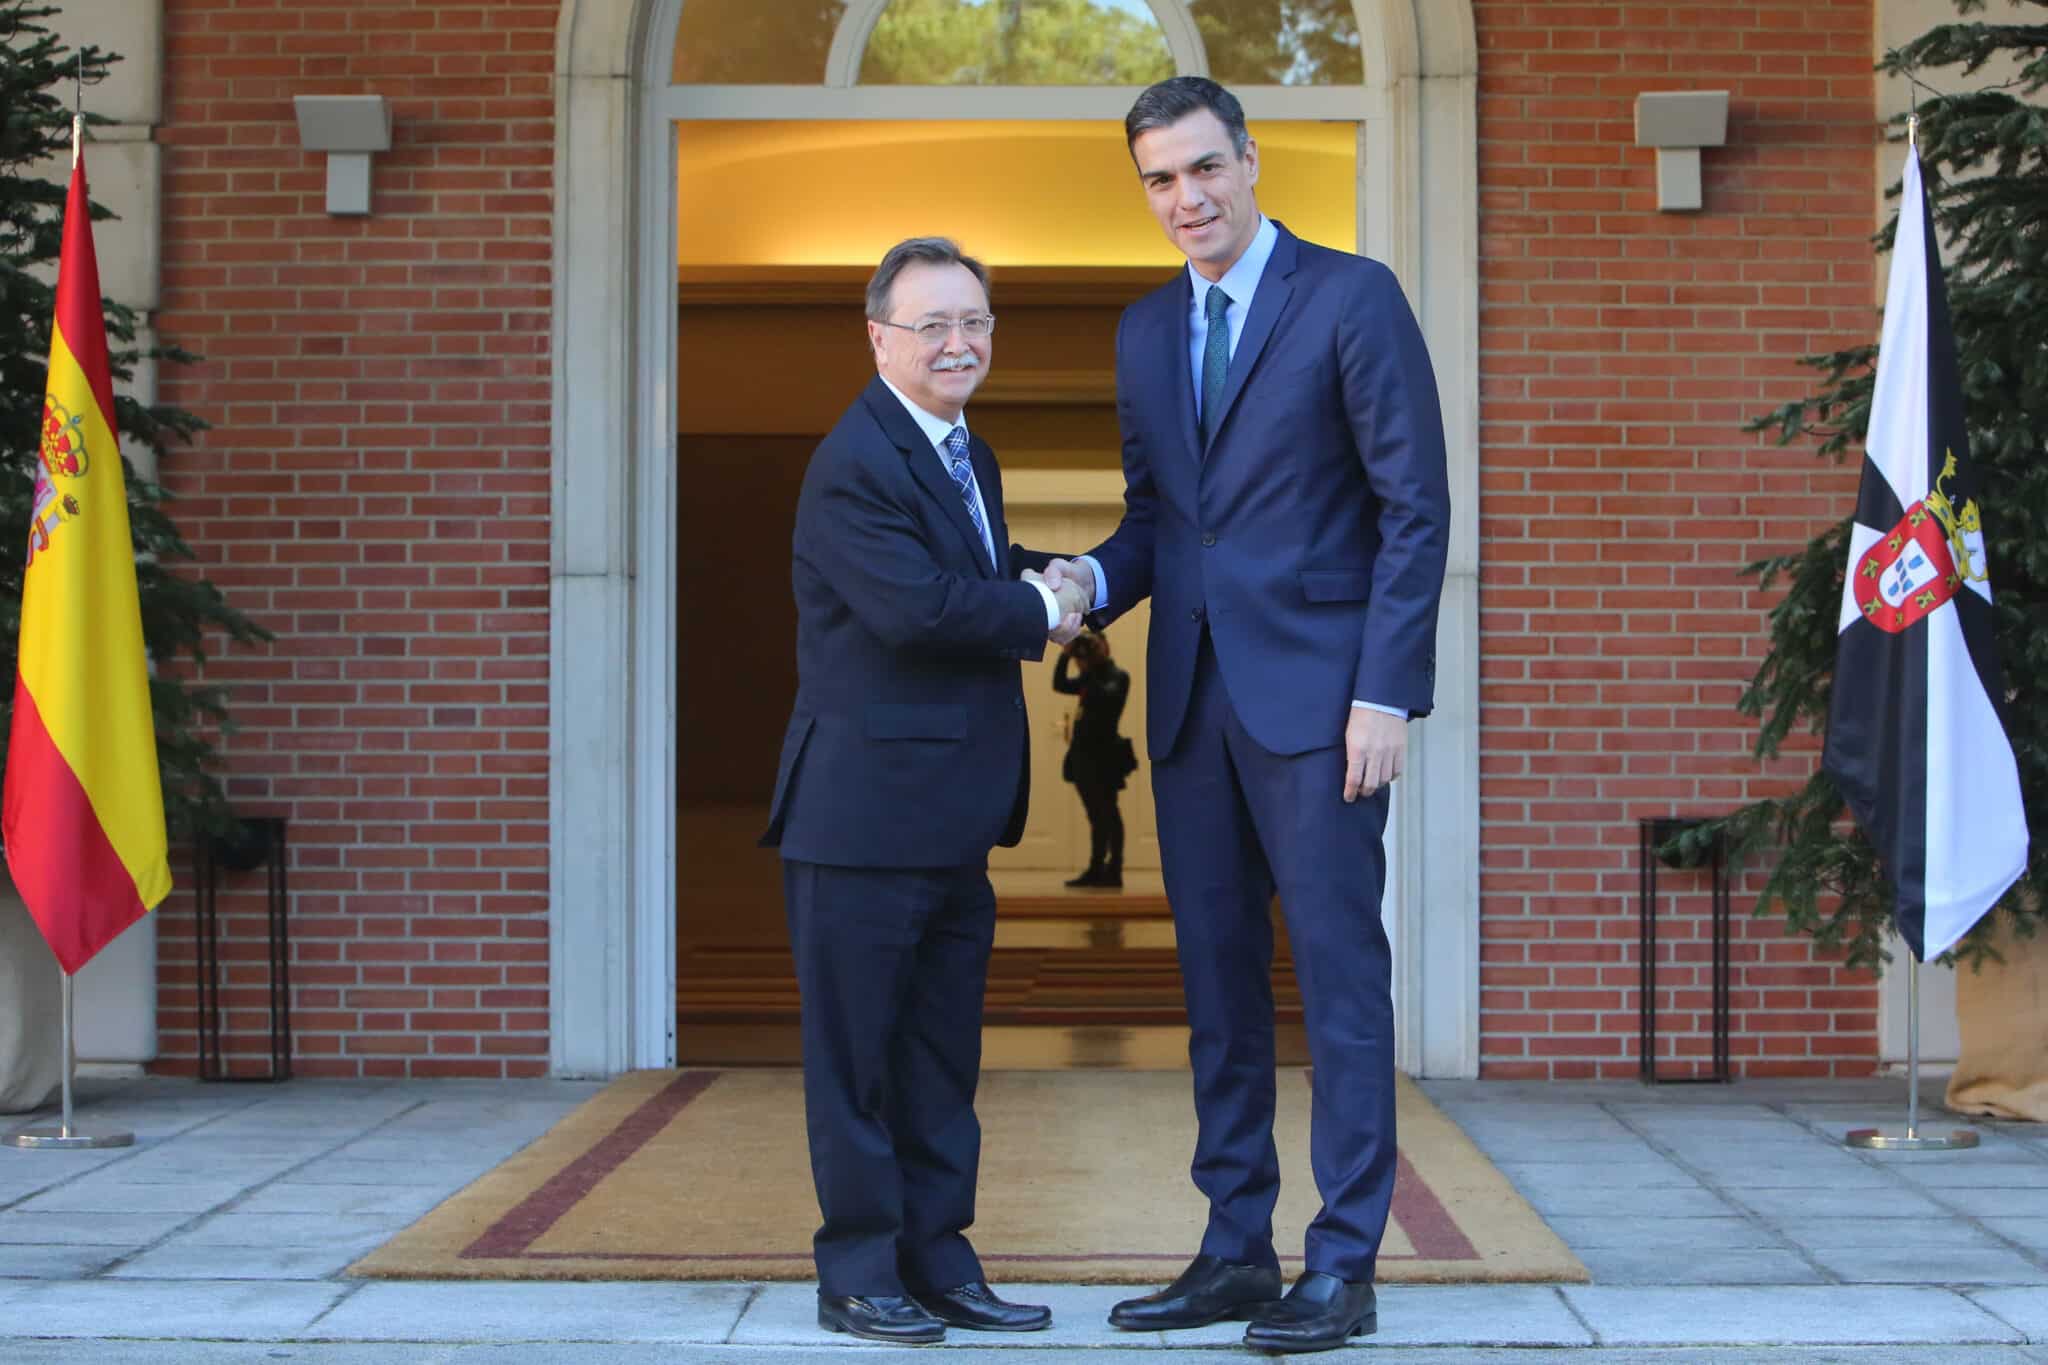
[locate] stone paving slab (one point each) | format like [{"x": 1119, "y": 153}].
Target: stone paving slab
[
  {"x": 292, "y": 1230},
  {"x": 1993, "y": 1203},
  {"x": 1790, "y": 1207},
  {"x": 1790, "y": 1315},
  {"x": 104, "y": 1193},
  {"x": 2030, "y": 1233},
  {"x": 1756, "y": 1265},
  {"x": 555, "y": 1310},
  {"x": 1578, "y": 1199},
  {"x": 1476, "y": 1315},
  {"x": 1910, "y": 1263},
  {"x": 1676, "y": 1237},
  {"x": 447, "y": 1175},
  {"x": 1538, "y": 1179},
  {"x": 166, "y": 1166},
  {"x": 30, "y": 1262},
  {"x": 296, "y": 1195},
  {"x": 1782, "y": 1173},
  {"x": 94, "y": 1229},
  {"x": 1932, "y": 1235},
  {"x": 203, "y": 1309},
  {"x": 178, "y": 1260},
  {"x": 2025, "y": 1309}
]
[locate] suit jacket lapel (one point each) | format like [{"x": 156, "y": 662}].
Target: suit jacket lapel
[
  {"x": 926, "y": 466},
  {"x": 1182, "y": 332},
  {"x": 1268, "y": 302}
]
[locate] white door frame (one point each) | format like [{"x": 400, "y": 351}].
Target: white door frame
[{"x": 612, "y": 676}]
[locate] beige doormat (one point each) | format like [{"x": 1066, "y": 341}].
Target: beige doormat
[{"x": 704, "y": 1175}]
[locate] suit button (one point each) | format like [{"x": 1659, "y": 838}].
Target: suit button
[
  {"x": 1016, "y": 703},
  {"x": 1208, "y": 539},
  {"x": 1195, "y": 614}
]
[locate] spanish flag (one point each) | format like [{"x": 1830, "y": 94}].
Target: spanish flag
[{"x": 83, "y": 811}]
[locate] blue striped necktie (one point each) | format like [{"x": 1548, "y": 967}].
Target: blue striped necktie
[{"x": 963, "y": 478}]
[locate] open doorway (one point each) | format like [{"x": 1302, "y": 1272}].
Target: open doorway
[{"x": 770, "y": 350}]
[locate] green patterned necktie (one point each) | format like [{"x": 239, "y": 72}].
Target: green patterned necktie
[{"x": 1215, "y": 361}]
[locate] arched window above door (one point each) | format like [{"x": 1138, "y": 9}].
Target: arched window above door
[
  {"x": 1016, "y": 42},
  {"x": 755, "y": 42},
  {"x": 1280, "y": 42}
]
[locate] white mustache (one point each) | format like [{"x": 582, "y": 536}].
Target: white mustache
[{"x": 956, "y": 362}]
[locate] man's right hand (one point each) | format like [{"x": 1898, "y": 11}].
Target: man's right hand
[
  {"x": 1072, "y": 606},
  {"x": 1062, "y": 573}
]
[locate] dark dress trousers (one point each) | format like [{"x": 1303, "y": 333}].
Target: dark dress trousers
[
  {"x": 1294, "y": 564},
  {"x": 903, "y": 765}
]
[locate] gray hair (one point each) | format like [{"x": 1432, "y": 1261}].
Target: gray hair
[
  {"x": 1170, "y": 101},
  {"x": 916, "y": 251}
]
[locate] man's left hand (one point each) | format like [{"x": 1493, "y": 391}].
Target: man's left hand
[{"x": 1375, "y": 751}]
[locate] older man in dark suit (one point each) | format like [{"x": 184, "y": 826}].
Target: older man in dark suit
[
  {"x": 905, "y": 762},
  {"x": 1287, "y": 511}
]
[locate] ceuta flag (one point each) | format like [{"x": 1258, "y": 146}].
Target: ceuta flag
[
  {"x": 83, "y": 812},
  {"x": 1915, "y": 739}
]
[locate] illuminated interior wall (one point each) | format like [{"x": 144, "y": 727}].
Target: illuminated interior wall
[
  {"x": 800, "y": 193},
  {"x": 813, "y": 206}
]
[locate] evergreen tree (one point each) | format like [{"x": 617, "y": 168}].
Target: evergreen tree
[
  {"x": 1985, "y": 157},
  {"x": 37, "y": 83}
]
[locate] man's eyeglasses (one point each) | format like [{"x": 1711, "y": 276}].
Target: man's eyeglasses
[{"x": 934, "y": 331}]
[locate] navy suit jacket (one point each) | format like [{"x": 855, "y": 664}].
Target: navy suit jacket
[
  {"x": 907, "y": 746},
  {"x": 1311, "y": 535}
]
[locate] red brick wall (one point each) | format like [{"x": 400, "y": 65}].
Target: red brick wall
[
  {"x": 375, "y": 491},
  {"x": 1621, "y": 349}
]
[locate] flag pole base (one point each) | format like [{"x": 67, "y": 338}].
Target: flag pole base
[
  {"x": 1909, "y": 1140},
  {"x": 65, "y": 1139}
]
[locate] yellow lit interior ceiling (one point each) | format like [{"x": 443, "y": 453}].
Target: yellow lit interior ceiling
[{"x": 782, "y": 193}]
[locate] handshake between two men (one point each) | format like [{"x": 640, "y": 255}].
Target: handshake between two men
[{"x": 1072, "y": 585}]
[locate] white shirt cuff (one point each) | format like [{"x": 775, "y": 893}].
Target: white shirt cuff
[
  {"x": 1052, "y": 604},
  {"x": 1384, "y": 710}
]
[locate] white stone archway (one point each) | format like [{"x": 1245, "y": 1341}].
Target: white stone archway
[{"x": 612, "y": 570}]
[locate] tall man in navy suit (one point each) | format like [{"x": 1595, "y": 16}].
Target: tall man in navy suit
[
  {"x": 905, "y": 762},
  {"x": 1287, "y": 511}
]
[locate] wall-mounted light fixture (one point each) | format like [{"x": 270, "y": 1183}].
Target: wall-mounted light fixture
[
  {"x": 1678, "y": 123},
  {"x": 348, "y": 128}
]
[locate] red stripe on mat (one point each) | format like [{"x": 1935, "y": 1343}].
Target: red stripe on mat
[
  {"x": 530, "y": 1219},
  {"x": 994, "y": 1258},
  {"x": 1431, "y": 1229}
]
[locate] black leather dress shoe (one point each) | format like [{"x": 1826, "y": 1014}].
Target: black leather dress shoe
[
  {"x": 1320, "y": 1313},
  {"x": 1209, "y": 1290},
  {"x": 975, "y": 1307},
  {"x": 879, "y": 1317}
]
